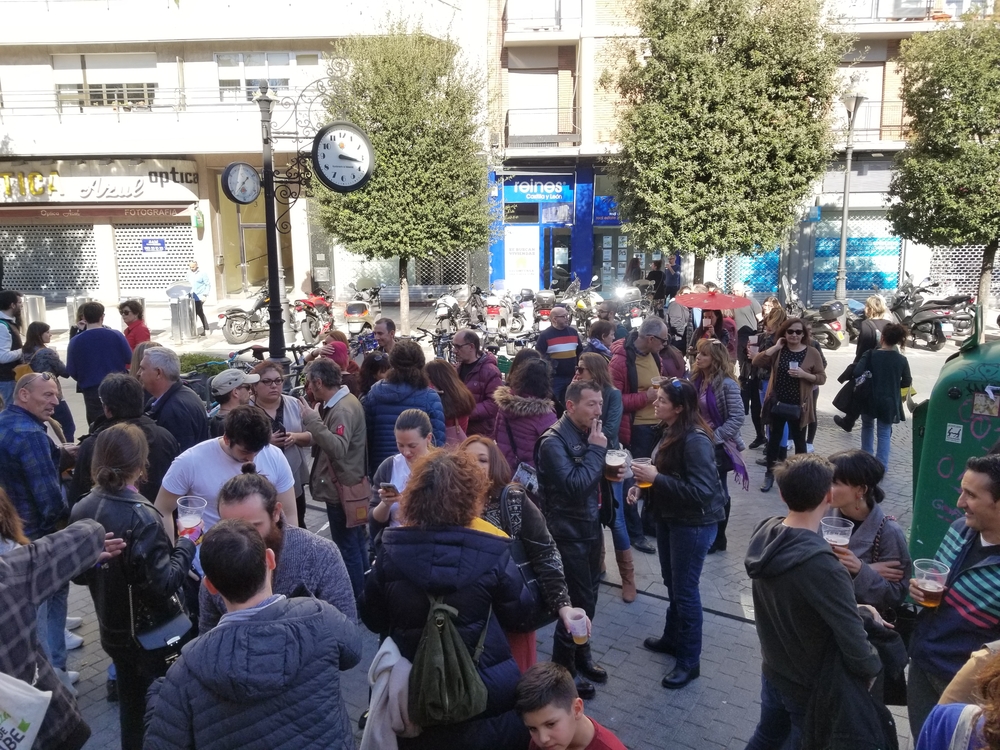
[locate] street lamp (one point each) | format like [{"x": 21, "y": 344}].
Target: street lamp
[
  {"x": 275, "y": 274},
  {"x": 852, "y": 103}
]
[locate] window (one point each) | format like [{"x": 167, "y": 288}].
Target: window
[
  {"x": 105, "y": 80},
  {"x": 241, "y": 73},
  {"x": 121, "y": 94}
]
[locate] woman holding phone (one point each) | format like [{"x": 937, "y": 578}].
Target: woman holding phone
[{"x": 414, "y": 440}]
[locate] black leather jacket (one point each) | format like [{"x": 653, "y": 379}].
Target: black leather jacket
[
  {"x": 569, "y": 474},
  {"x": 155, "y": 570},
  {"x": 694, "y": 498},
  {"x": 182, "y": 413}
]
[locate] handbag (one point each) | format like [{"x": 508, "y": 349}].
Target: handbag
[
  {"x": 864, "y": 386},
  {"x": 453, "y": 435},
  {"x": 354, "y": 499},
  {"x": 534, "y": 610},
  {"x": 165, "y": 635},
  {"x": 722, "y": 460},
  {"x": 903, "y": 619},
  {"x": 788, "y": 412},
  {"x": 525, "y": 475}
]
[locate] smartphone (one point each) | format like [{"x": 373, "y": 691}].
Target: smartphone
[{"x": 389, "y": 487}]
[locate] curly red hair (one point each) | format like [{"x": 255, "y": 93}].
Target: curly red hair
[{"x": 444, "y": 489}]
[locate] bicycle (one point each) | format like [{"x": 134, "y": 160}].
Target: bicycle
[{"x": 441, "y": 342}]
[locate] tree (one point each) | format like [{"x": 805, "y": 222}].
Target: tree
[
  {"x": 946, "y": 185},
  {"x": 421, "y": 107},
  {"x": 724, "y": 125}
]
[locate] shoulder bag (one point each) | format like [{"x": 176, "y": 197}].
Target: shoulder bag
[
  {"x": 534, "y": 610},
  {"x": 165, "y": 635},
  {"x": 22, "y": 709},
  {"x": 903, "y": 619},
  {"x": 354, "y": 498},
  {"x": 864, "y": 387},
  {"x": 25, "y": 367}
]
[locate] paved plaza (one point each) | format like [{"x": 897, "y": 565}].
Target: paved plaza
[{"x": 718, "y": 710}]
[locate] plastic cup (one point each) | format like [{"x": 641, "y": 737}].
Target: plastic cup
[
  {"x": 578, "y": 627},
  {"x": 657, "y": 381},
  {"x": 643, "y": 462},
  {"x": 613, "y": 461},
  {"x": 931, "y": 577},
  {"x": 793, "y": 365},
  {"x": 836, "y": 531},
  {"x": 190, "y": 511}
]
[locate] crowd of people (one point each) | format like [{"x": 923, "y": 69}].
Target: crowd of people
[{"x": 466, "y": 510}]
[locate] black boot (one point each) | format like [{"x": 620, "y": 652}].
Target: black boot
[
  {"x": 661, "y": 645},
  {"x": 719, "y": 545},
  {"x": 843, "y": 423},
  {"x": 563, "y": 655},
  {"x": 585, "y": 665},
  {"x": 782, "y": 453},
  {"x": 759, "y": 442},
  {"x": 768, "y": 482}
]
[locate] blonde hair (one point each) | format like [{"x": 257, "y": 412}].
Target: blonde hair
[
  {"x": 875, "y": 307},
  {"x": 775, "y": 319},
  {"x": 720, "y": 367}
]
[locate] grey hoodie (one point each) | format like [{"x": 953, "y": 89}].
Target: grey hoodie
[{"x": 804, "y": 604}]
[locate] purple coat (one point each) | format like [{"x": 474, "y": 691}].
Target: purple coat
[
  {"x": 482, "y": 378},
  {"x": 527, "y": 418}
]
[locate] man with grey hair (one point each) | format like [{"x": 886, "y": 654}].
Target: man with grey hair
[{"x": 174, "y": 406}]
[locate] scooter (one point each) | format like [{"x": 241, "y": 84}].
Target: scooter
[
  {"x": 925, "y": 319},
  {"x": 545, "y": 300},
  {"x": 363, "y": 310},
  {"x": 524, "y": 313},
  {"x": 474, "y": 312},
  {"x": 498, "y": 313},
  {"x": 447, "y": 311}
]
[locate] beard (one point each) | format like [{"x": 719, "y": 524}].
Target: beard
[{"x": 275, "y": 540}]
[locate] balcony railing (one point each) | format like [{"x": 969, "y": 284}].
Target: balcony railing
[
  {"x": 877, "y": 121},
  {"x": 881, "y": 11},
  {"x": 542, "y": 128},
  {"x": 541, "y": 15}
]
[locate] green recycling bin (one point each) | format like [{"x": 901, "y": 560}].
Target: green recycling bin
[{"x": 959, "y": 421}]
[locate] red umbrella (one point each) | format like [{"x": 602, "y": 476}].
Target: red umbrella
[{"x": 712, "y": 300}]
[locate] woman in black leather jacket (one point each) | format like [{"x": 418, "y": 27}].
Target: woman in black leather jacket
[
  {"x": 139, "y": 590},
  {"x": 688, "y": 503}
]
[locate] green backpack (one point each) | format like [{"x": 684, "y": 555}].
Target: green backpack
[{"x": 445, "y": 686}]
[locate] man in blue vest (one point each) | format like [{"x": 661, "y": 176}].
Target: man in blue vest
[{"x": 10, "y": 343}]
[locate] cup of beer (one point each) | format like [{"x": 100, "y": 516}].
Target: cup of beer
[
  {"x": 836, "y": 531},
  {"x": 578, "y": 626},
  {"x": 931, "y": 577},
  {"x": 643, "y": 462},
  {"x": 190, "y": 510},
  {"x": 657, "y": 381},
  {"x": 613, "y": 461}
]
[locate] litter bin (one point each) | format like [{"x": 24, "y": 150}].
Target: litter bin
[
  {"x": 72, "y": 305},
  {"x": 961, "y": 420},
  {"x": 32, "y": 309},
  {"x": 182, "y": 326}
]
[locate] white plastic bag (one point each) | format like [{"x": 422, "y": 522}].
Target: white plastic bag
[{"x": 22, "y": 708}]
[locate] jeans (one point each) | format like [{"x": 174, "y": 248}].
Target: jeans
[
  {"x": 559, "y": 386},
  {"x": 642, "y": 443},
  {"x": 199, "y": 310},
  {"x": 619, "y": 534},
  {"x": 352, "y": 544},
  {"x": 6, "y": 393},
  {"x": 52, "y": 627},
  {"x": 682, "y": 551},
  {"x": 795, "y": 431},
  {"x": 868, "y": 430},
  {"x": 923, "y": 690},
  {"x": 64, "y": 417},
  {"x": 784, "y": 434},
  {"x": 136, "y": 670},
  {"x": 92, "y": 403},
  {"x": 780, "y": 725}
]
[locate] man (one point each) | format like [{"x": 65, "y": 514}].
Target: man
[
  {"x": 97, "y": 351},
  {"x": 268, "y": 674},
  {"x": 570, "y": 461},
  {"x": 121, "y": 398},
  {"x": 606, "y": 311},
  {"x": 10, "y": 343},
  {"x": 560, "y": 345},
  {"x": 29, "y": 473},
  {"x": 969, "y": 614},
  {"x": 659, "y": 291},
  {"x": 201, "y": 285},
  {"x": 679, "y": 321},
  {"x": 306, "y": 564},
  {"x": 203, "y": 469},
  {"x": 804, "y": 603},
  {"x": 174, "y": 406},
  {"x": 385, "y": 334},
  {"x": 340, "y": 440},
  {"x": 230, "y": 388},
  {"x": 635, "y": 361},
  {"x": 478, "y": 370}
]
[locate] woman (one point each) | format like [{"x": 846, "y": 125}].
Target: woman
[
  {"x": 137, "y": 354},
  {"x": 526, "y": 523},
  {"x": 961, "y": 726},
  {"x": 414, "y": 440},
  {"x": 135, "y": 329},
  {"x": 525, "y": 410},
  {"x": 679, "y": 321},
  {"x": 688, "y": 504},
  {"x": 522, "y": 357},
  {"x": 595, "y": 368},
  {"x": 721, "y": 406},
  {"x": 374, "y": 367},
  {"x": 41, "y": 358},
  {"x": 890, "y": 373},
  {"x": 456, "y": 400},
  {"x": 444, "y": 548},
  {"x": 774, "y": 318},
  {"x": 633, "y": 272},
  {"x": 405, "y": 387},
  {"x": 877, "y": 556},
  {"x": 144, "y": 589},
  {"x": 286, "y": 426},
  {"x": 600, "y": 337},
  {"x": 712, "y": 327},
  {"x": 869, "y": 337},
  {"x": 795, "y": 368}
]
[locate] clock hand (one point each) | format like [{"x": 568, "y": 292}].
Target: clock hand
[{"x": 345, "y": 157}]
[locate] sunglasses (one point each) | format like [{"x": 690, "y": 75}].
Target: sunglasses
[
  {"x": 795, "y": 332},
  {"x": 43, "y": 375}
]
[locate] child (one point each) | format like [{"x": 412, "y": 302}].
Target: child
[{"x": 548, "y": 704}]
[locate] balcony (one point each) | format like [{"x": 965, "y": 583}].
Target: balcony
[
  {"x": 542, "y": 128},
  {"x": 893, "y": 11},
  {"x": 875, "y": 121},
  {"x": 528, "y": 22}
]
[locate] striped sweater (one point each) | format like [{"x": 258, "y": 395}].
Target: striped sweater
[
  {"x": 969, "y": 615},
  {"x": 562, "y": 349}
]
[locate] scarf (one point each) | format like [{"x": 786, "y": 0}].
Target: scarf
[
  {"x": 599, "y": 346},
  {"x": 729, "y": 446}
]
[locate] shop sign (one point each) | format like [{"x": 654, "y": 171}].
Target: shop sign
[
  {"x": 606, "y": 211},
  {"x": 157, "y": 245},
  {"x": 521, "y": 256},
  {"x": 551, "y": 188},
  {"x": 71, "y": 181}
]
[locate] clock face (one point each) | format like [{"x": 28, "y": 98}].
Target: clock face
[
  {"x": 343, "y": 157},
  {"x": 241, "y": 183}
]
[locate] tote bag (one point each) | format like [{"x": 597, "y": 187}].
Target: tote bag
[{"x": 22, "y": 708}]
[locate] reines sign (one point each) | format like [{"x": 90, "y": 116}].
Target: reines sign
[
  {"x": 552, "y": 188},
  {"x": 97, "y": 181}
]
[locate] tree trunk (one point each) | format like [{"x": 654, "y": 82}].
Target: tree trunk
[
  {"x": 404, "y": 298},
  {"x": 985, "y": 277},
  {"x": 699, "y": 269}
]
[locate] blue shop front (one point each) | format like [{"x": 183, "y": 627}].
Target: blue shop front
[{"x": 556, "y": 224}]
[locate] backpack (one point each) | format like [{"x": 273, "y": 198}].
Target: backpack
[{"x": 445, "y": 686}]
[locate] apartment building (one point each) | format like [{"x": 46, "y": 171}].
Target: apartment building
[
  {"x": 118, "y": 116},
  {"x": 553, "y": 124}
]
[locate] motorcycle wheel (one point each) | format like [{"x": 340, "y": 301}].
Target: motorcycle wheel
[
  {"x": 939, "y": 340},
  {"x": 516, "y": 324},
  {"x": 236, "y": 330},
  {"x": 310, "y": 330},
  {"x": 830, "y": 341}
]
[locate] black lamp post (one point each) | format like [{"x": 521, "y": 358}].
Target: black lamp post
[
  {"x": 852, "y": 103},
  {"x": 276, "y": 338}
]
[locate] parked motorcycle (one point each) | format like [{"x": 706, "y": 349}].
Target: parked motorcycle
[
  {"x": 629, "y": 307},
  {"x": 824, "y": 323},
  {"x": 583, "y": 306},
  {"x": 499, "y": 307},
  {"x": 364, "y": 309},
  {"x": 314, "y": 315},
  {"x": 474, "y": 312},
  {"x": 525, "y": 313},
  {"x": 447, "y": 311},
  {"x": 545, "y": 300},
  {"x": 926, "y": 318},
  {"x": 240, "y": 325}
]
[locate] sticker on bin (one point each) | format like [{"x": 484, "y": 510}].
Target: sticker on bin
[{"x": 953, "y": 433}]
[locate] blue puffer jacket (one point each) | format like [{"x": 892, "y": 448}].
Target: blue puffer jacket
[
  {"x": 473, "y": 570},
  {"x": 383, "y": 404},
  {"x": 270, "y": 681}
]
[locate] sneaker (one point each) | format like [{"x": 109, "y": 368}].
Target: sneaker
[
  {"x": 72, "y": 640},
  {"x": 72, "y": 623},
  {"x": 68, "y": 679},
  {"x": 809, "y": 448}
]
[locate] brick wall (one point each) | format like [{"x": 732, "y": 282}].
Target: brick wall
[
  {"x": 567, "y": 90},
  {"x": 605, "y": 99},
  {"x": 610, "y": 12},
  {"x": 892, "y": 81}
]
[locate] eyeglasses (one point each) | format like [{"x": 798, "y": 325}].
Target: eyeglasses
[
  {"x": 795, "y": 332},
  {"x": 270, "y": 381},
  {"x": 658, "y": 338}
]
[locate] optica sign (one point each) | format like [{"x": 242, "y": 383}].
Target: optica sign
[{"x": 549, "y": 188}]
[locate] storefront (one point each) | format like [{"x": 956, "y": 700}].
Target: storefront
[{"x": 107, "y": 227}]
